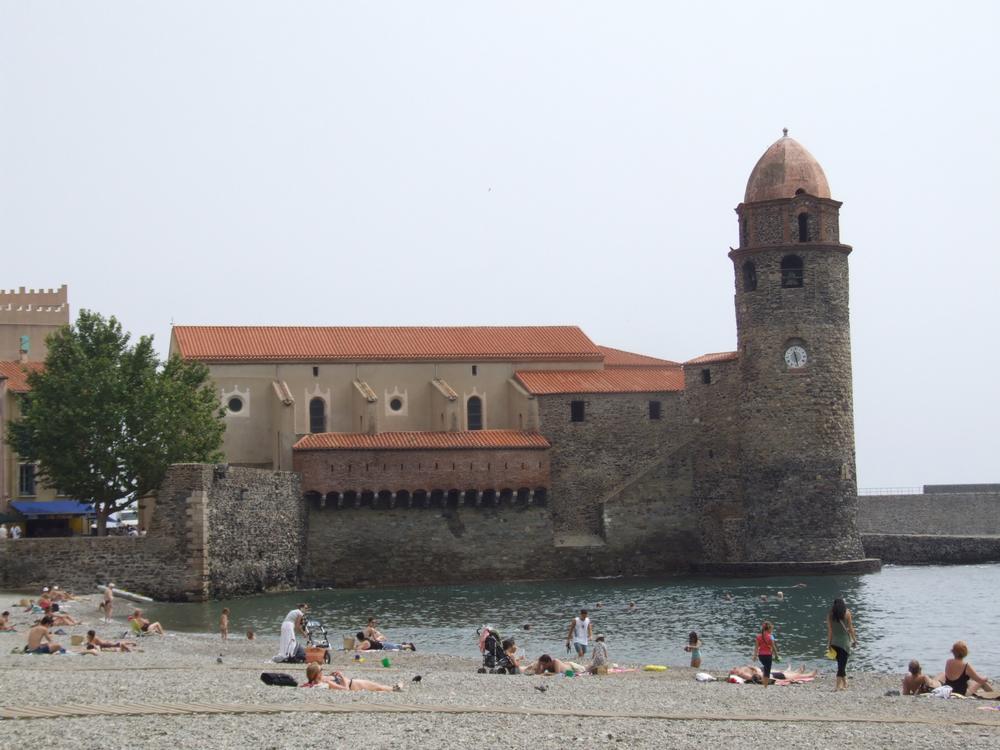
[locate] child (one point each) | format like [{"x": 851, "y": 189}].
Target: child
[
  {"x": 224, "y": 624},
  {"x": 599, "y": 657},
  {"x": 510, "y": 651},
  {"x": 765, "y": 649},
  {"x": 694, "y": 648},
  {"x": 251, "y": 635},
  {"x": 5, "y": 621}
]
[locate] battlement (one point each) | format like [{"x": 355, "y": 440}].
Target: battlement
[{"x": 32, "y": 299}]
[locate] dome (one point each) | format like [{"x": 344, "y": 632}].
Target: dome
[{"x": 785, "y": 169}]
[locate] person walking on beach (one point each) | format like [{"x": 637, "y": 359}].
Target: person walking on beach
[
  {"x": 224, "y": 624},
  {"x": 765, "y": 650},
  {"x": 840, "y": 637},
  {"x": 694, "y": 648},
  {"x": 581, "y": 630}
]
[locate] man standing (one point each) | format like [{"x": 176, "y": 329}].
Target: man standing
[
  {"x": 3, "y": 531},
  {"x": 581, "y": 630},
  {"x": 15, "y": 532}
]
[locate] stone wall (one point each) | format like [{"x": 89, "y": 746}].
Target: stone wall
[
  {"x": 593, "y": 459},
  {"x": 936, "y": 549},
  {"x": 956, "y": 514}
]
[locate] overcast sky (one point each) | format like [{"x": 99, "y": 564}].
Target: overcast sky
[{"x": 518, "y": 163}]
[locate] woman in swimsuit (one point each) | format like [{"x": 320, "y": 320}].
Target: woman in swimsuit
[
  {"x": 958, "y": 673},
  {"x": 337, "y": 681}
]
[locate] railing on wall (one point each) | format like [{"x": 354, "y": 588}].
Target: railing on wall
[{"x": 891, "y": 491}]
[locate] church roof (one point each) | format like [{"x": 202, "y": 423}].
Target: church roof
[
  {"x": 468, "y": 439},
  {"x": 620, "y": 358},
  {"x": 385, "y": 344},
  {"x": 785, "y": 169},
  {"x": 17, "y": 374},
  {"x": 615, "y": 380},
  {"x": 708, "y": 359}
]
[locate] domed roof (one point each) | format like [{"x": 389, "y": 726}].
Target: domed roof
[{"x": 785, "y": 169}]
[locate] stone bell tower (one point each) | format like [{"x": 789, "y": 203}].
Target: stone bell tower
[{"x": 796, "y": 454}]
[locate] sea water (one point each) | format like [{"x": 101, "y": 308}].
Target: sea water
[{"x": 901, "y": 613}]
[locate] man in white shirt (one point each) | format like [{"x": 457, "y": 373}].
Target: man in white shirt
[
  {"x": 15, "y": 532},
  {"x": 3, "y": 531},
  {"x": 581, "y": 630}
]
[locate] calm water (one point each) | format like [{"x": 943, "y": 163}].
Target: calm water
[{"x": 901, "y": 613}]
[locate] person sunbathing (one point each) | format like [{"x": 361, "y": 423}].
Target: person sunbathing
[
  {"x": 39, "y": 640},
  {"x": 337, "y": 681},
  {"x": 916, "y": 682},
  {"x": 61, "y": 618},
  {"x": 140, "y": 622},
  {"x": 755, "y": 674},
  {"x": 96, "y": 644},
  {"x": 370, "y": 644},
  {"x": 958, "y": 674},
  {"x": 547, "y": 665},
  {"x": 373, "y": 635}
]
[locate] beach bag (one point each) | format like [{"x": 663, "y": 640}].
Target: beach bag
[
  {"x": 831, "y": 654},
  {"x": 298, "y": 657},
  {"x": 278, "y": 678}
]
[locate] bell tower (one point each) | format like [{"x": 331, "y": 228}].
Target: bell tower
[{"x": 796, "y": 455}]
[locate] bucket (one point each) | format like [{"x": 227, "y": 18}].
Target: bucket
[
  {"x": 348, "y": 643},
  {"x": 76, "y": 640}
]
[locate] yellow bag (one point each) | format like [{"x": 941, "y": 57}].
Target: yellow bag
[{"x": 831, "y": 654}]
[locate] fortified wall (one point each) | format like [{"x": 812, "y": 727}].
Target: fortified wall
[
  {"x": 30, "y": 313},
  {"x": 214, "y": 532}
]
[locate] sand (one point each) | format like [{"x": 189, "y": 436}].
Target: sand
[{"x": 184, "y": 669}]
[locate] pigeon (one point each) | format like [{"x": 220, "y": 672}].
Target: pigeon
[
  {"x": 418, "y": 678},
  {"x": 541, "y": 688},
  {"x": 218, "y": 659}
]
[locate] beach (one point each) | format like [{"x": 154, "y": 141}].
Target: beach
[{"x": 451, "y": 707}]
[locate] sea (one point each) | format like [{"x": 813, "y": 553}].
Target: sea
[{"x": 900, "y": 613}]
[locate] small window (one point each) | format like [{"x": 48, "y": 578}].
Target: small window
[
  {"x": 315, "y": 372},
  {"x": 792, "y": 272},
  {"x": 26, "y": 480},
  {"x": 749, "y": 276},
  {"x": 706, "y": 376},
  {"x": 235, "y": 404},
  {"x": 803, "y": 227},
  {"x": 396, "y": 403},
  {"x": 577, "y": 411},
  {"x": 475, "y": 369},
  {"x": 317, "y": 415},
  {"x": 474, "y": 413},
  {"x": 654, "y": 410}
]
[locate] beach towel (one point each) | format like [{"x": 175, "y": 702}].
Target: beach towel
[
  {"x": 940, "y": 692},
  {"x": 704, "y": 677}
]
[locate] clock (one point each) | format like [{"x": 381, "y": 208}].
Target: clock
[{"x": 795, "y": 357}]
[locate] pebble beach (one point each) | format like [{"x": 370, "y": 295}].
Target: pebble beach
[{"x": 450, "y": 707}]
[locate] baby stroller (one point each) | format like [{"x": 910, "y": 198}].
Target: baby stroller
[
  {"x": 495, "y": 661},
  {"x": 317, "y": 640}
]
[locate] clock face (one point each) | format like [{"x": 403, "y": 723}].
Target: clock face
[{"x": 795, "y": 357}]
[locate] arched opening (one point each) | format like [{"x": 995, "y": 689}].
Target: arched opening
[
  {"x": 489, "y": 498},
  {"x": 523, "y": 495},
  {"x": 419, "y": 499},
  {"x": 313, "y": 499},
  {"x": 452, "y": 498},
  {"x": 506, "y": 497},
  {"x": 541, "y": 496},
  {"x": 367, "y": 499},
  {"x": 383, "y": 500},
  {"x": 474, "y": 413},
  {"x": 749, "y": 276},
  {"x": 317, "y": 415},
  {"x": 332, "y": 500},
  {"x": 402, "y": 499},
  {"x": 803, "y": 227},
  {"x": 435, "y": 500},
  {"x": 792, "y": 272},
  {"x": 349, "y": 499},
  {"x": 470, "y": 498}
]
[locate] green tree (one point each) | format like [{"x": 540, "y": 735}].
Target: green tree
[{"x": 104, "y": 420}]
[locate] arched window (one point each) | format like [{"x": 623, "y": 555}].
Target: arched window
[
  {"x": 803, "y": 227},
  {"x": 317, "y": 415},
  {"x": 792, "y": 272},
  {"x": 749, "y": 276},
  {"x": 474, "y": 413}
]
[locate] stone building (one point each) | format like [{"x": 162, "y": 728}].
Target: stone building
[{"x": 453, "y": 444}]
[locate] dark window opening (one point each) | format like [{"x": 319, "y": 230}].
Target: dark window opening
[
  {"x": 235, "y": 404},
  {"x": 800, "y": 191},
  {"x": 706, "y": 376},
  {"x": 26, "y": 479},
  {"x": 315, "y": 372},
  {"x": 577, "y": 411},
  {"x": 792, "y": 272},
  {"x": 475, "y": 369},
  {"x": 749, "y": 276},
  {"x": 654, "y": 410},
  {"x": 803, "y": 227},
  {"x": 474, "y": 413},
  {"x": 317, "y": 415},
  {"x": 396, "y": 403}
]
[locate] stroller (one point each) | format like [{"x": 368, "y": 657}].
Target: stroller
[
  {"x": 495, "y": 661},
  {"x": 316, "y": 638}
]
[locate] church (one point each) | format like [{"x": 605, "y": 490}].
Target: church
[{"x": 557, "y": 456}]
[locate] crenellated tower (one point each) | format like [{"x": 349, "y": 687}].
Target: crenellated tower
[{"x": 795, "y": 407}]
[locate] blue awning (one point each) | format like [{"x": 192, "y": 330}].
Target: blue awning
[{"x": 52, "y": 508}]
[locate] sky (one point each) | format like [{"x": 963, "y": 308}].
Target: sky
[{"x": 432, "y": 163}]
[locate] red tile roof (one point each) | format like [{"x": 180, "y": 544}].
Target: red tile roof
[
  {"x": 615, "y": 380},
  {"x": 17, "y": 375},
  {"x": 395, "y": 441},
  {"x": 708, "y": 359},
  {"x": 620, "y": 358},
  {"x": 397, "y": 344}
]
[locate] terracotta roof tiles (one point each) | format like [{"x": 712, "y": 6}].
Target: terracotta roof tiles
[
  {"x": 380, "y": 344},
  {"x": 615, "y": 380},
  {"x": 621, "y": 358},
  {"x": 708, "y": 359},
  {"x": 17, "y": 374},
  {"x": 470, "y": 439}
]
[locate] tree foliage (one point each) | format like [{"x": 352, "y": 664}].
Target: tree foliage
[{"x": 104, "y": 420}]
